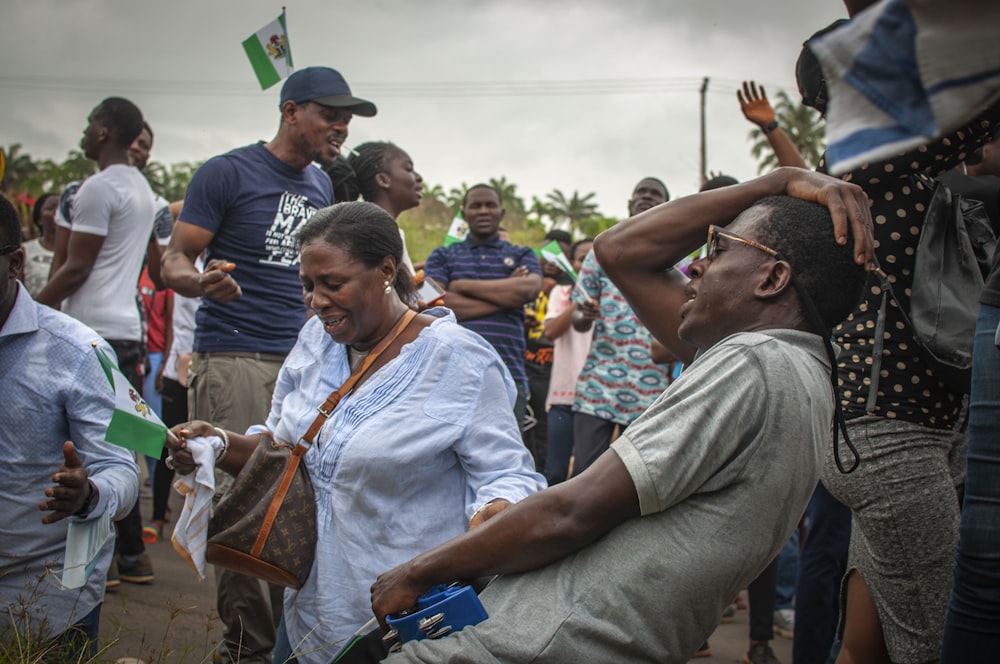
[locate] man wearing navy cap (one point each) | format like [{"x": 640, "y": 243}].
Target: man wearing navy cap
[{"x": 243, "y": 208}]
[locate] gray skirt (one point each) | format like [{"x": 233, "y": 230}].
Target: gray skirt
[{"x": 904, "y": 531}]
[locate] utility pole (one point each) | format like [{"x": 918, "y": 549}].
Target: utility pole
[{"x": 704, "y": 169}]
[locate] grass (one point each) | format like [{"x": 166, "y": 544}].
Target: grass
[{"x": 25, "y": 640}]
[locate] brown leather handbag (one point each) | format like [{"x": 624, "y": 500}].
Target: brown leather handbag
[{"x": 265, "y": 525}]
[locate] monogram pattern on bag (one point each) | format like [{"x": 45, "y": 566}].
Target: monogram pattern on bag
[{"x": 290, "y": 547}]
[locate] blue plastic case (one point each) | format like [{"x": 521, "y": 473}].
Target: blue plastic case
[{"x": 439, "y": 612}]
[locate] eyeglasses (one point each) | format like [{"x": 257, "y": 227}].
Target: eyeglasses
[
  {"x": 9, "y": 249},
  {"x": 715, "y": 232}
]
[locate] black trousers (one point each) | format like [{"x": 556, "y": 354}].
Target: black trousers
[{"x": 132, "y": 362}]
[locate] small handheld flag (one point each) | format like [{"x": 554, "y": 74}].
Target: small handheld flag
[
  {"x": 133, "y": 424},
  {"x": 269, "y": 52},
  {"x": 457, "y": 232},
  {"x": 553, "y": 253}
]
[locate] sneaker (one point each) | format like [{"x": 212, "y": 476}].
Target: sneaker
[
  {"x": 136, "y": 570},
  {"x": 760, "y": 653},
  {"x": 729, "y": 613},
  {"x": 704, "y": 650},
  {"x": 784, "y": 623},
  {"x": 113, "y": 580}
]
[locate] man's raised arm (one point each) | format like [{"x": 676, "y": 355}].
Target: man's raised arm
[{"x": 639, "y": 254}]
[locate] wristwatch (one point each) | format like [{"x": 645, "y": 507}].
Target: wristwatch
[
  {"x": 89, "y": 503},
  {"x": 770, "y": 126}
]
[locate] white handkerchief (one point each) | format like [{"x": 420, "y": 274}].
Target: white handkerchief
[
  {"x": 191, "y": 532},
  {"x": 84, "y": 541}
]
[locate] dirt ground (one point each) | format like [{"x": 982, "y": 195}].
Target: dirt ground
[{"x": 173, "y": 619}]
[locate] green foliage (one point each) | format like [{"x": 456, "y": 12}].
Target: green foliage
[
  {"x": 171, "y": 181},
  {"x": 25, "y": 179},
  {"x": 434, "y": 192},
  {"x": 425, "y": 226},
  {"x": 571, "y": 212},
  {"x": 802, "y": 124},
  {"x": 594, "y": 226}
]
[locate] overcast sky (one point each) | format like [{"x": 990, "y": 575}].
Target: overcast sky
[{"x": 456, "y": 82}]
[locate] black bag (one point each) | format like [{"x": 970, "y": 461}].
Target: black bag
[
  {"x": 954, "y": 255},
  {"x": 955, "y": 243}
]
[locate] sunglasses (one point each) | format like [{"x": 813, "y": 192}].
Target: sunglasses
[{"x": 715, "y": 232}]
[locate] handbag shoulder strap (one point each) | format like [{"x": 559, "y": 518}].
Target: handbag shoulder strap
[{"x": 326, "y": 408}]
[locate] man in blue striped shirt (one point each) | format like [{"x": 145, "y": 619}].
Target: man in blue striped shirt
[{"x": 488, "y": 282}]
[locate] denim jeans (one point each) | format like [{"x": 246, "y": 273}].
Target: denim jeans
[
  {"x": 821, "y": 567},
  {"x": 972, "y": 628},
  {"x": 79, "y": 643},
  {"x": 560, "y": 443}
]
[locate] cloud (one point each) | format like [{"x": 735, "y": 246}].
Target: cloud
[{"x": 452, "y": 79}]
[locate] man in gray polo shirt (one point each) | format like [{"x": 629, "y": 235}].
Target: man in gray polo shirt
[{"x": 635, "y": 559}]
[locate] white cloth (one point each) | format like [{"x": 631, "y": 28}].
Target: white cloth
[
  {"x": 904, "y": 72},
  {"x": 117, "y": 204},
  {"x": 198, "y": 488}
]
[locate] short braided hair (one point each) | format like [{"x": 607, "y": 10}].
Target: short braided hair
[{"x": 368, "y": 160}]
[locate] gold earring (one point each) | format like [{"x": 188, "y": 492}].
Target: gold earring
[{"x": 388, "y": 287}]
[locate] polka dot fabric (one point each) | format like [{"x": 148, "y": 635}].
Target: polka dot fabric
[{"x": 900, "y": 191}]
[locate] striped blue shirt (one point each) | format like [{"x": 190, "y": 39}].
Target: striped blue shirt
[
  {"x": 54, "y": 390},
  {"x": 492, "y": 260}
]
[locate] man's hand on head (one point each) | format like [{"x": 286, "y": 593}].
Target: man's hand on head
[{"x": 848, "y": 205}]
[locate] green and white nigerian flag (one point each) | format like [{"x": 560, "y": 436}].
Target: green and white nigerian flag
[
  {"x": 133, "y": 424},
  {"x": 269, "y": 53},
  {"x": 457, "y": 231},
  {"x": 553, "y": 253}
]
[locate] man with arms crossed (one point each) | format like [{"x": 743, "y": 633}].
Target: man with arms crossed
[
  {"x": 635, "y": 559},
  {"x": 489, "y": 280}
]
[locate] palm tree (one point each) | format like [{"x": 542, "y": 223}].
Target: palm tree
[
  {"x": 171, "y": 181},
  {"x": 454, "y": 198},
  {"x": 538, "y": 211},
  {"x": 434, "y": 192},
  {"x": 20, "y": 169},
  {"x": 567, "y": 213},
  {"x": 513, "y": 203},
  {"x": 802, "y": 124}
]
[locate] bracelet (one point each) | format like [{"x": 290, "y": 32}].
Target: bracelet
[
  {"x": 88, "y": 503},
  {"x": 224, "y": 435},
  {"x": 476, "y": 513},
  {"x": 770, "y": 126}
]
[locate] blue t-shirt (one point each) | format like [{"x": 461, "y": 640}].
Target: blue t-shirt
[
  {"x": 493, "y": 260},
  {"x": 254, "y": 203}
]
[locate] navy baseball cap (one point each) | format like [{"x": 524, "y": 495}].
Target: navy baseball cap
[{"x": 325, "y": 86}]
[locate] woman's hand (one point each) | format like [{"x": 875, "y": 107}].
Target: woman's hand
[
  {"x": 180, "y": 456},
  {"x": 488, "y": 511}
]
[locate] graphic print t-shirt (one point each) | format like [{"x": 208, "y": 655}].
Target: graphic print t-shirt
[{"x": 254, "y": 203}]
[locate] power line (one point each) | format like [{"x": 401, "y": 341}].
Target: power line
[{"x": 406, "y": 89}]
